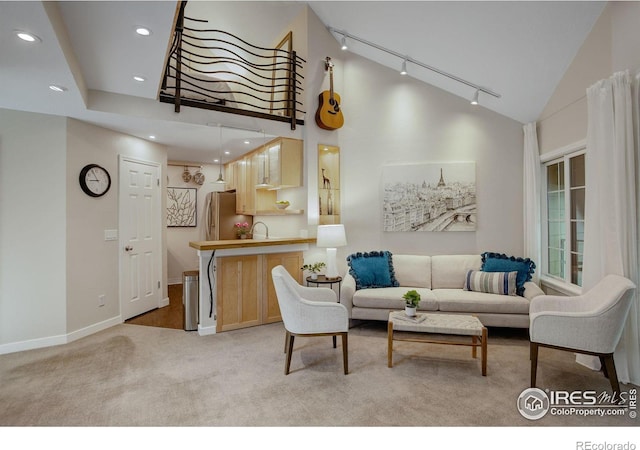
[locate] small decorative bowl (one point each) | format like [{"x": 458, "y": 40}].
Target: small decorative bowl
[{"x": 282, "y": 205}]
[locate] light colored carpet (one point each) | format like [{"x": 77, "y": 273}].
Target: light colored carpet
[{"x": 131, "y": 375}]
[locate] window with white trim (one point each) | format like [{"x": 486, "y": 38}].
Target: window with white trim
[{"x": 563, "y": 214}]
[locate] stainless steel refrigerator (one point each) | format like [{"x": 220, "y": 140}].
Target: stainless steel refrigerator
[{"x": 220, "y": 216}]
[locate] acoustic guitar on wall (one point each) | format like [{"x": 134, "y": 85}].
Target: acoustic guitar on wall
[{"x": 329, "y": 115}]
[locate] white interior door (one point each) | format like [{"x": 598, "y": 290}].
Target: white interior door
[{"x": 140, "y": 238}]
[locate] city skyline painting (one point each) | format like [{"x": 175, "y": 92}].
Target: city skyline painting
[{"x": 429, "y": 197}]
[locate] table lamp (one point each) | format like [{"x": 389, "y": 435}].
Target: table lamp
[{"x": 331, "y": 237}]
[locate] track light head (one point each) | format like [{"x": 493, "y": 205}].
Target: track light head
[
  {"x": 403, "y": 70},
  {"x": 343, "y": 43},
  {"x": 474, "y": 100}
]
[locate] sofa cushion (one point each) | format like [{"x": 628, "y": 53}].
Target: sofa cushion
[
  {"x": 499, "y": 262},
  {"x": 449, "y": 271},
  {"x": 391, "y": 298},
  {"x": 458, "y": 300},
  {"x": 372, "y": 269},
  {"x": 503, "y": 283},
  {"x": 412, "y": 270}
]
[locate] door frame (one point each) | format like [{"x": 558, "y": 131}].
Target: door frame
[{"x": 122, "y": 217}]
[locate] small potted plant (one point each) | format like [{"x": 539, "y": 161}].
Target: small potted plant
[
  {"x": 314, "y": 269},
  {"x": 242, "y": 229},
  {"x": 411, "y": 301}
]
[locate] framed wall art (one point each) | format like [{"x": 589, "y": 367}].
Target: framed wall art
[
  {"x": 429, "y": 197},
  {"x": 181, "y": 207},
  {"x": 328, "y": 184}
]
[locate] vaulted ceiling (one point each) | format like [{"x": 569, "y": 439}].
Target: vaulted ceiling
[{"x": 519, "y": 50}]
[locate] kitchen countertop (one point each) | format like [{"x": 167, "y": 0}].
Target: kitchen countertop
[{"x": 247, "y": 243}]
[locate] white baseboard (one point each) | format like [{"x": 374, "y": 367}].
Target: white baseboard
[
  {"x": 206, "y": 331},
  {"x": 175, "y": 281},
  {"x": 164, "y": 302},
  {"x": 60, "y": 339}
]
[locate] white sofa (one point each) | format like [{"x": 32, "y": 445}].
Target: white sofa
[{"x": 440, "y": 282}]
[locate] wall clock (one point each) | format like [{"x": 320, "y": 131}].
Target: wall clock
[{"x": 94, "y": 180}]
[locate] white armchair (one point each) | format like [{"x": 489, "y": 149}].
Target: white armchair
[
  {"x": 590, "y": 323},
  {"x": 309, "y": 311}
]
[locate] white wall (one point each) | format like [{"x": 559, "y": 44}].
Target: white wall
[
  {"x": 93, "y": 263},
  {"x": 32, "y": 228}
]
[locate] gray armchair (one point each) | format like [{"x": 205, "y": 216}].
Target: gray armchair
[
  {"x": 309, "y": 311},
  {"x": 590, "y": 323}
]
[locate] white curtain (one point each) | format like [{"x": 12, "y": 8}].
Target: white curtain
[
  {"x": 611, "y": 228},
  {"x": 531, "y": 197}
]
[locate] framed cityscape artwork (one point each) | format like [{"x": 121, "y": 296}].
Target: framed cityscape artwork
[
  {"x": 429, "y": 197},
  {"x": 328, "y": 184}
]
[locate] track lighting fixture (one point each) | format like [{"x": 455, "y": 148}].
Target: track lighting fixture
[
  {"x": 474, "y": 100},
  {"x": 403, "y": 70},
  {"x": 343, "y": 43},
  {"x": 406, "y": 59}
]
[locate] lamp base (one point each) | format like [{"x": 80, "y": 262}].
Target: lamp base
[{"x": 332, "y": 267}]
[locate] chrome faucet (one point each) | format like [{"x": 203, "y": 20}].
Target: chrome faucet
[{"x": 265, "y": 227}]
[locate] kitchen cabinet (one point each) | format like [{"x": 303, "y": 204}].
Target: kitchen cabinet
[
  {"x": 245, "y": 185},
  {"x": 238, "y": 292},
  {"x": 230, "y": 173},
  {"x": 245, "y": 293},
  {"x": 284, "y": 161}
]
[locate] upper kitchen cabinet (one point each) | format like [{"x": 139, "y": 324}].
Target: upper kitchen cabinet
[{"x": 280, "y": 164}]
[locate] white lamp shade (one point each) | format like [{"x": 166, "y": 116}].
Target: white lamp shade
[{"x": 331, "y": 236}]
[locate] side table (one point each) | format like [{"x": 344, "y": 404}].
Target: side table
[{"x": 322, "y": 279}]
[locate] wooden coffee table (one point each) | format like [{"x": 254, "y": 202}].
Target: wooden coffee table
[{"x": 444, "y": 324}]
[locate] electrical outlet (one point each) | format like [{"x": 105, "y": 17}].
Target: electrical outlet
[{"x": 101, "y": 299}]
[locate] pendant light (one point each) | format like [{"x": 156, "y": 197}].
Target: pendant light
[
  {"x": 265, "y": 166},
  {"x": 220, "y": 177}
]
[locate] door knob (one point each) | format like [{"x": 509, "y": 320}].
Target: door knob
[{"x": 128, "y": 248}]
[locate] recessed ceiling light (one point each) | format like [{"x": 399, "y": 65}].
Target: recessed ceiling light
[
  {"x": 139, "y": 78},
  {"x": 227, "y": 152},
  {"x": 247, "y": 142},
  {"x": 55, "y": 87},
  {"x": 143, "y": 31},
  {"x": 216, "y": 160},
  {"x": 151, "y": 136},
  {"x": 28, "y": 37}
]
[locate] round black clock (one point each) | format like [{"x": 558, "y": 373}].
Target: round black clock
[{"x": 94, "y": 180}]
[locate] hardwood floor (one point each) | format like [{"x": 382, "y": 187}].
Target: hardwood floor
[{"x": 171, "y": 316}]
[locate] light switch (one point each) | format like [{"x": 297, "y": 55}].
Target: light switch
[{"x": 110, "y": 235}]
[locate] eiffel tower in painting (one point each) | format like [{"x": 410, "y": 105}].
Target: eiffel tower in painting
[{"x": 441, "y": 183}]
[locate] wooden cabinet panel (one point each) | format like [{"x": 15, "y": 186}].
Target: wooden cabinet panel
[
  {"x": 238, "y": 292},
  {"x": 291, "y": 261},
  {"x": 245, "y": 294}
]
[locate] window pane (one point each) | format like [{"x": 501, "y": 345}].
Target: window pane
[
  {"x": 556, "y": 235},
  {"x": 555, "y": 177},
  {"x": 577, "y": 237},
  {"x": 576, "y": 268},
  {"x": 577, "y": 204},
  {"x": 555, "y": 206},
  {"x": 556, "y": 262},
  {"x": 577, "y": 171}
]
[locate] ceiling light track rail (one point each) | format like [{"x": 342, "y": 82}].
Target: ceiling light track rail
[
  {"x": 405, "y": 59},
  {"x": 216, "y": 70}
]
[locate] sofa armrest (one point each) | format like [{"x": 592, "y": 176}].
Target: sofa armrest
[
  {"x": 532, "y": 290},
  {"x": 346, "y": 292}
]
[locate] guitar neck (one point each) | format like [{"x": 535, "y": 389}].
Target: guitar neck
[{"x": 331, "y": 83}]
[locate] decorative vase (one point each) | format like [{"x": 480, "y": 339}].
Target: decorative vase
[
  {"x": 410, "y": 311},
  {"x": 314, "y": 276},
  {"x": 243, "y": 236}
]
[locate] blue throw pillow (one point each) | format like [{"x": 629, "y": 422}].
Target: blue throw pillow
[
  {"x": 372, "y": 269},
  {"x": 499, "y": 262}
]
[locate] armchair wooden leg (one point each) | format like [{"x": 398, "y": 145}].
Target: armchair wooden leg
[
  {"x": 289, "y": 351},
  {"x": 345, "y": 353},
  {"x": 533, "y": 355},
  {"x": 610, "y": 370},
  {"x": 286, "y": 341}
]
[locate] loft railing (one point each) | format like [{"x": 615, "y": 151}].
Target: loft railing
[{"x": 213, "y": 69}]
